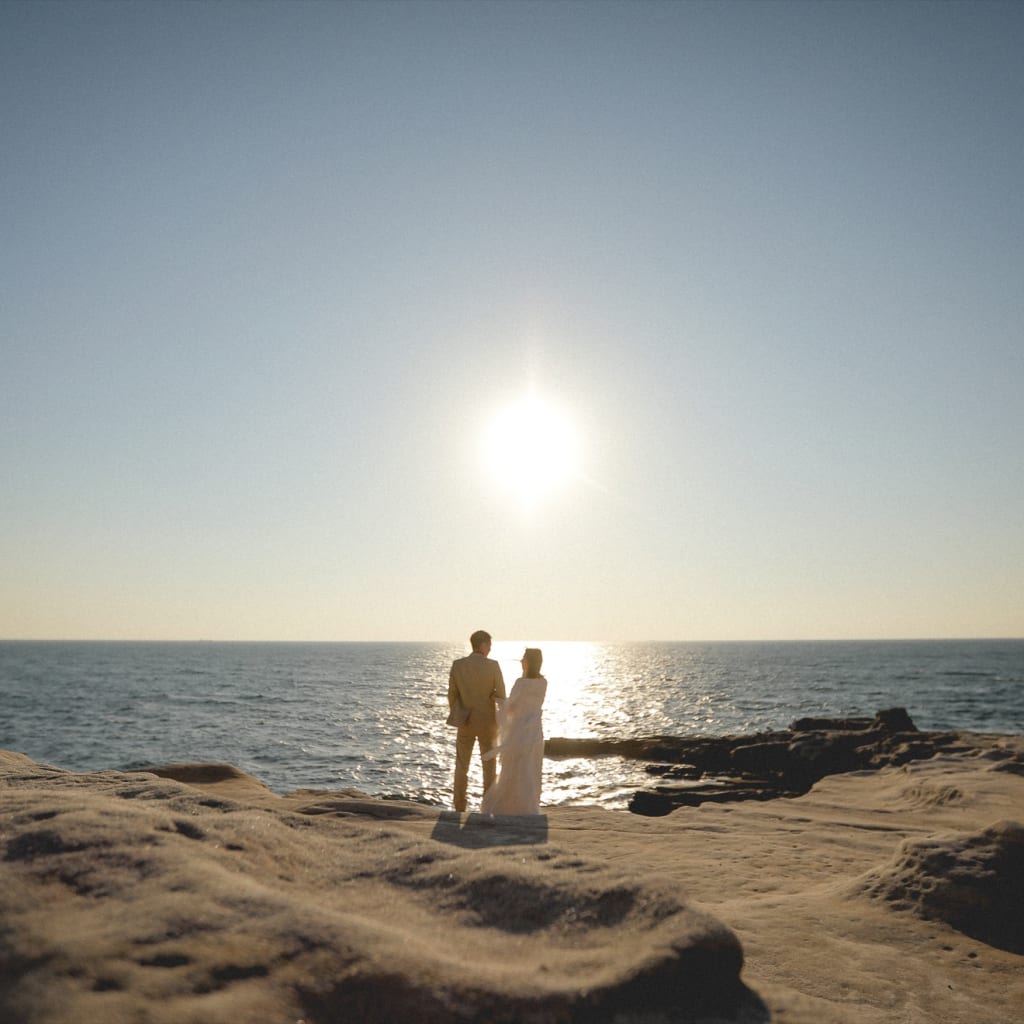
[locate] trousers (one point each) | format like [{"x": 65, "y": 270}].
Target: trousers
[{"x": 465, "y": 740}]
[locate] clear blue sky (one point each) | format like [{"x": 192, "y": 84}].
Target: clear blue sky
[{"x": 269, "y": 271}]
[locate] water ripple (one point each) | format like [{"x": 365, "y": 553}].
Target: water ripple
[{"x": 370, "y": 716}]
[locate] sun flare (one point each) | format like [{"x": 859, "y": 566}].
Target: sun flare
[{"x": 531, "y": 447}]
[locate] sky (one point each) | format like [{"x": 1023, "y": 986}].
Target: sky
[{"x": 595, "y": 321}]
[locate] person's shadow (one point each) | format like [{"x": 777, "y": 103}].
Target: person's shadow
[{"x": 476, "y": 831}]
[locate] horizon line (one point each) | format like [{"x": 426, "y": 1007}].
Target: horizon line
[{"x": 750, "y": 640}]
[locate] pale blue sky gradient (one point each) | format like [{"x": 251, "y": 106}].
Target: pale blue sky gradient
[{"x": 267, "y": 269}]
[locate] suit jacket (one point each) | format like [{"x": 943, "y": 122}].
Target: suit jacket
[{"x": 476, "y": 680}]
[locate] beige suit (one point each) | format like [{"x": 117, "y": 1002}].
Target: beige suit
[{"x": 475, "y": 681}]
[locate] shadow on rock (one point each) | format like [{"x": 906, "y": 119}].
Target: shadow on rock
[
  {"x": 477, "y": 831},
  {"x": 645, "y": 1000},
  {"x": 974, "y": 882}
]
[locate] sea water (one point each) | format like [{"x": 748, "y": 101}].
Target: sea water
[{"x": 370, "y": 716}]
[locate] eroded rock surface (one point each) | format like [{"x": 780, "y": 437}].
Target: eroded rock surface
[
  {"x": 131, "y": 897},
  {"x": 972, "y": 881}
]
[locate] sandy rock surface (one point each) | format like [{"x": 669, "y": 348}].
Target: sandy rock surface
[{"x": 198, "y": 895}]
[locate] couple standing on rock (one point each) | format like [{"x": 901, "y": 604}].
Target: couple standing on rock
[{"x": 509, "y": 728}]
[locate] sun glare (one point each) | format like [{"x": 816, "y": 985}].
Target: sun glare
[{"x": 532, "y": 448}]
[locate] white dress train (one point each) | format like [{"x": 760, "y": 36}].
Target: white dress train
[{"x": 521, "y": 749}]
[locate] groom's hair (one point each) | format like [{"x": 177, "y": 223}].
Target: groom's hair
[{"x": 479, "y": 638}]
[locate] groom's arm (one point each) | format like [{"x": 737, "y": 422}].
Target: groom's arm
[
  {"x": 499, "y": 685},
  {"x": 453, "y": 689}
]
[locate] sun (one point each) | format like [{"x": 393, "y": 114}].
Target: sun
[{"x": 531, "y": 448}]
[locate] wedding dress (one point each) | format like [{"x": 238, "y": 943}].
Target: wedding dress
[{"x": 521, "y": 749}]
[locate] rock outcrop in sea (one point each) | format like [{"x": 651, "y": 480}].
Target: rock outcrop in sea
[{"x": 723, "y": 769}]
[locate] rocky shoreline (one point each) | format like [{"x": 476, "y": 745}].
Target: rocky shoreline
[
  {"x": 764, "y": 766},
  {"x": 193, "y": 894}
]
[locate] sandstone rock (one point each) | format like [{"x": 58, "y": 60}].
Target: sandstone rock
[
  {"x": 126, "y": 897},
  {"x": 849, "y": 724},
  {"x": 972, "y": 881}
]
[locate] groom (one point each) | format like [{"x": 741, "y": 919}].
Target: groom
[{"x": 474, "y": 682}]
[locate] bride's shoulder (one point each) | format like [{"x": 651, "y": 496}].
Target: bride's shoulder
[{"x": 531, "y": 682}]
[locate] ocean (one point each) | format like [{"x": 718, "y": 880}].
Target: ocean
[{"x": 370, "y": 716}]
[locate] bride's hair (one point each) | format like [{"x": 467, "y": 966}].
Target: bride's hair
[{"x": 534, "y": 659}]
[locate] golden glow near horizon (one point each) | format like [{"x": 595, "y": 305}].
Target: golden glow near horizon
[{"x": 532, "y": 449}]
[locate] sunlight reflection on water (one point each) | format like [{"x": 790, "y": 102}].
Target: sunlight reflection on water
[
  {"x": 594, "y": 689},
  {"x": 371, "y": 716}
]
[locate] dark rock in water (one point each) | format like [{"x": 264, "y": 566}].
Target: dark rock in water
[
  {"x": 895, "y": 720},
  {"x": 889, "y": 719},
  {"x": 710, "y": 751},
  {"x": 849, "y": 724},
  {"x": 651, "y": 804},
  {"x": 973, "y": 882},
  {"x": 665, "y": 799},
  {"x": 674, "y": 771},
  {"x": 827, "y": 753},
  {"x": 761, "y": 757},
  {"x": 770, "y": 764}
]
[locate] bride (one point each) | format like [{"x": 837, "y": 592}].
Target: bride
[{"x": 520, "y": 743}]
